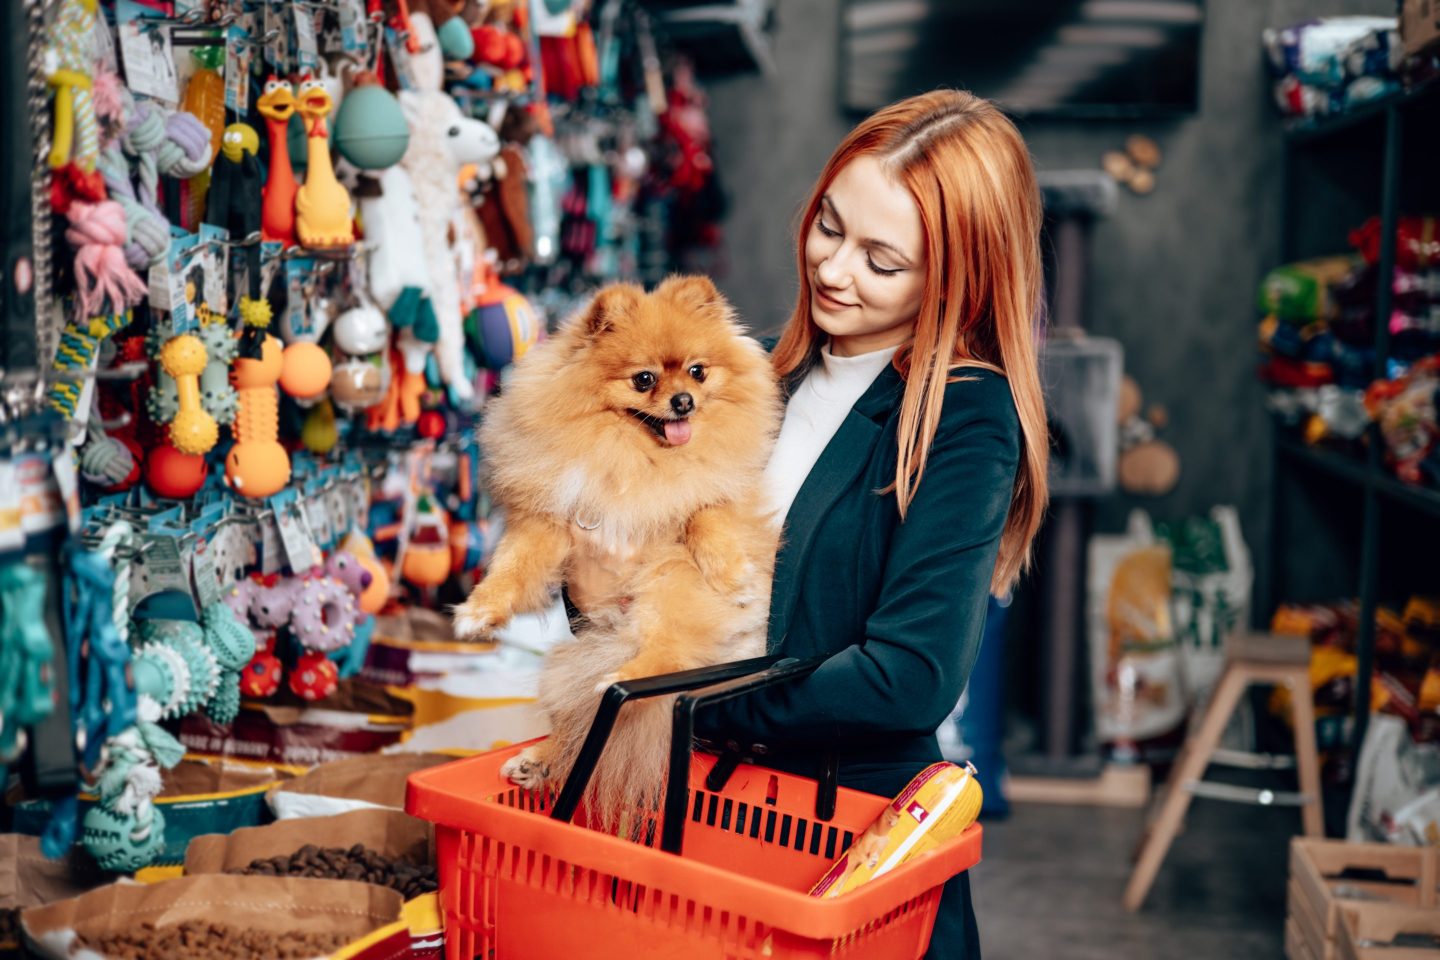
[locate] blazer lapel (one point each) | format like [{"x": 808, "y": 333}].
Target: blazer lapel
[{"x": 843, "y": 459}]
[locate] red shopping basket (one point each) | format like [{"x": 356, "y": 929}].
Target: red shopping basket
[{"x": 518, "y": 880}]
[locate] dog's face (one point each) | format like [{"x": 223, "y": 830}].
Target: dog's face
[{"x": 666, "y": 364}]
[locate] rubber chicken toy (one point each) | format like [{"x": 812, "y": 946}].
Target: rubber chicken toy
[
  {"x": 322, "y": 207},
  {"x": 277, "y": 105}
]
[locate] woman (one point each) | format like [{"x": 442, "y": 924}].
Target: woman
[{"x": 910, "y": 468}]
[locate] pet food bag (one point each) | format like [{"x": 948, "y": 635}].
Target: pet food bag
[
  {"x": 1136, "y": 674},
  {"x": 354, "y": 783},
  {"x": 1210, "y": 580},
  {"x": 937, "y": 805},
  {"x": 28, "y": 878},
  {"x": 358, "y": 718},
  {"x": 1395, "y": 773},
  {"x": 385, "y": 847},
  {"x": 218, "y": 917}
]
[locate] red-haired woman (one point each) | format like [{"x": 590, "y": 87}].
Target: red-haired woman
[{"x": 910, "y": 469}]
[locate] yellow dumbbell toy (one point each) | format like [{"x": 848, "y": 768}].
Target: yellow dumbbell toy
[{"x": 193, "y": 431}]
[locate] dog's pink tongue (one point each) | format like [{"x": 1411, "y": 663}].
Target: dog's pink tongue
[{"x": 677, "y": 432}]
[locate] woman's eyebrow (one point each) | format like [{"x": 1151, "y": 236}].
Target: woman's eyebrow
[{"x": 869, "y": 242}]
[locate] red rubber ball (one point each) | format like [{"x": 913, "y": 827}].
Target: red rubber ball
[
  {"x": 315, "y": 676},
  {"x": 174, "y": 475},
  {"x": 261, "y": 676}
]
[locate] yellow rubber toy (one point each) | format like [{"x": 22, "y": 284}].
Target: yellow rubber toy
[{"x": 193, "y": 431}]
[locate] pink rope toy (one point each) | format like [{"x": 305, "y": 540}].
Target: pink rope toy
[{"x": 97, "y": 231}]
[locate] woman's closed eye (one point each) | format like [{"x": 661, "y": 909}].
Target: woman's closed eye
[{"x": 832, "y": 233}]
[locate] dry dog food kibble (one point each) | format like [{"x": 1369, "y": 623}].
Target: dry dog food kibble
[
  {"x": 409, "y": 879},
  {"x": 205, "y": 940}
]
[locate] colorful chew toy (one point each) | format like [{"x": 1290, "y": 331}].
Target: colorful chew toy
[
  {"x": 322, "y": 205},
  {"x": 277, "y": 105},
  {"x": 257, "y": 466},
  {"x": 324, "y": 616},
  {"x": 193, "y": 430}
]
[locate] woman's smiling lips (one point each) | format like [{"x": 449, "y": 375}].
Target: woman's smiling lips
[{"x": 829, "y": 301}]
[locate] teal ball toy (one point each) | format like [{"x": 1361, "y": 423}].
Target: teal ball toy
[
  {"x": 370, "y": 129},
  {"x": 120, "y": 843}
]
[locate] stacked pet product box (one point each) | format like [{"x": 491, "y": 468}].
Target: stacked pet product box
[{"x": 1361, "y": 901}]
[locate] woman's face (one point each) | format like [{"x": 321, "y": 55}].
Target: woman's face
[{"x": 865, "y": 260}]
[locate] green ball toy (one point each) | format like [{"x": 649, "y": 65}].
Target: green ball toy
[
  {"x": 119, "y": 842},
  {"x": 370, "y": 129}
]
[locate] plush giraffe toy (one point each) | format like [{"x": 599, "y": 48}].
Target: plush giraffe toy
[
  {"x": 277, "y": 105},
  {"x": 322, "y": 207}
]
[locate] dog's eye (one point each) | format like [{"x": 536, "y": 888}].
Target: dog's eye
[
  {"x": 698, "y": 372},
  {"x": 644, "y": 381}
]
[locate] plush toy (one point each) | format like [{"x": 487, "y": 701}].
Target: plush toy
[
  {"x": 234, "y": 201},
  {"x": 322, "y": 205},
  {"x": 277, "y": 105},
  {"x": 442, "y": 140},
  {"x": 257, "y": 466}
]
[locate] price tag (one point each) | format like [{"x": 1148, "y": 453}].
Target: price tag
[
  {"x": 299, "y": 542},
  {"x": 167, "y": 570},
  {"x": 272, "y": 552},
  {"x": 237, "y": 69},
  {"x": 12, "y": 534},
  {"x": 207, "y": 578},
  {"x": 317, "y": 514},
  {"x": 353, "y": 26},
  {"x": 307, "y": 47}
]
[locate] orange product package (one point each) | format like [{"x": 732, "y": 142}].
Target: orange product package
[{"x": 937, "y": 805}]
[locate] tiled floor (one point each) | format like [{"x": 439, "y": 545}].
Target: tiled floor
[{"x": 1050, "y": 885}]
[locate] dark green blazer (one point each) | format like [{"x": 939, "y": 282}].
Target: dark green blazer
[{"x": 899, "y": 607}]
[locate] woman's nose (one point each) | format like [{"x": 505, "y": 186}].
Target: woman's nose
[{"x": 831, "y": 272}]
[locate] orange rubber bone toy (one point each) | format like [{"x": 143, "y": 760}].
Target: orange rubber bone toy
[{"x": 257, "y": 465}]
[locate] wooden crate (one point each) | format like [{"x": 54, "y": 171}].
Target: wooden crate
[
  {"x": 1320, "y": 889},
  {"x": 1296, "y": 947},
  {"x": 1379, "y": 925}
]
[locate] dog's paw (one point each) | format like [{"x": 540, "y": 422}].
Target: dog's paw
[
  {"x": 526, "y": 769},
  {"x": 726, "y": 572},
  {"x": 475, "y": 620}
]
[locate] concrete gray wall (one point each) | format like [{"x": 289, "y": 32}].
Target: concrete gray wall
[{"x": 1173, "y": 274}]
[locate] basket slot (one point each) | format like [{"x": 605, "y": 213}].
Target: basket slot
[
  {"x": 785, "y": 821},
  {"x": 725, "y": 810}
]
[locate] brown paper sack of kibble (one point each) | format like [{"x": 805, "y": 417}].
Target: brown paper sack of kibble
[
  {"x": 279, "y": 905},
  {"x": 390, "y": 833}
]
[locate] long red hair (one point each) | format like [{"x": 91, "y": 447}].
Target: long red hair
[{"x": 971, "y": 176}]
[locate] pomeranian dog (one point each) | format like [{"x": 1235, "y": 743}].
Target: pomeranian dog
[{"x": 633, "y": 441}]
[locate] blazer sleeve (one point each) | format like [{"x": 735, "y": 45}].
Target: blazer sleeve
[{"x": 922, "y": 639}]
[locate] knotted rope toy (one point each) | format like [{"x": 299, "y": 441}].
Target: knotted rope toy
[{"x": 98, "y": 232}]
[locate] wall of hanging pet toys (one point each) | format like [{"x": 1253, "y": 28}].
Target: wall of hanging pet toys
[{"x": 283, "y": 251}]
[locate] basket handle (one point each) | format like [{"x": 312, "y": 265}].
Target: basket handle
[
  {"x": 682, "y": 735},
  {"x": 721, "y": 682}
]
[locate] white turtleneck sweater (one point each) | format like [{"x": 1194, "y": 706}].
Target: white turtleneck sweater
[{"x": 813, "y": 415}]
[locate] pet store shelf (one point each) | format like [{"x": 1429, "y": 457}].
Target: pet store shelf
[
  {"x": 1353, "y": 470},
  {"x": 1325, "y": 128}
]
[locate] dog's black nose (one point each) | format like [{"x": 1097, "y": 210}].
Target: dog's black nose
[{"x": 682, "y": 404}]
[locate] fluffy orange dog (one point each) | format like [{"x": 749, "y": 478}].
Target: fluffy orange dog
[{"x": 633, "y": 441}]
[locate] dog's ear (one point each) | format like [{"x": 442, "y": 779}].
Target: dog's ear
[
  {"x": 693, "y": 292},
  {"x": 609, "y": 305}
]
